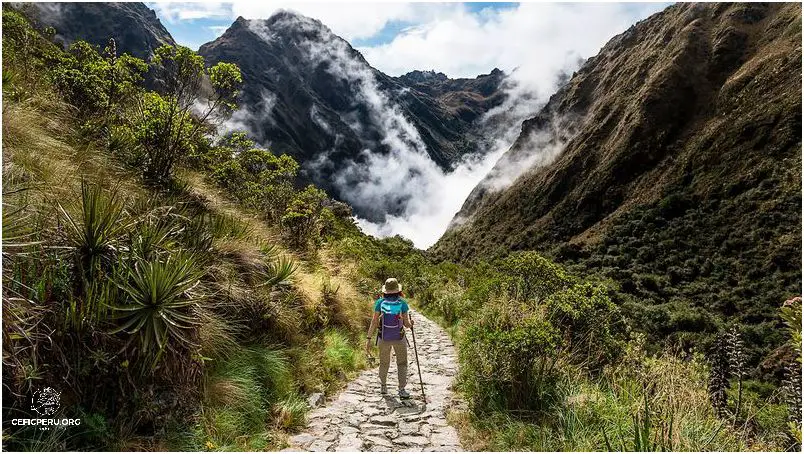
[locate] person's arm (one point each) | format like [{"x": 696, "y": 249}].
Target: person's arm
[
  {"x": 406, "y": 320},
  {"x": 375, "y": 319}
]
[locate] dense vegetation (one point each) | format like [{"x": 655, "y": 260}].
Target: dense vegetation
[{"x": 183, "y": 293}]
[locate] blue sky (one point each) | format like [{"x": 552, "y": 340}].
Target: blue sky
[
  {"x": 460, "y": 39},
  {"x": 206, "y": 21}
]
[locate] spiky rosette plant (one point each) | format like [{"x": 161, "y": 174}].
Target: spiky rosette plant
[
  {"x": 95, "y": 231},
  {"x": 160, "y": 303}
]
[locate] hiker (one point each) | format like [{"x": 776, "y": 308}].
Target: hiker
[{"x": 390, "y": 315}]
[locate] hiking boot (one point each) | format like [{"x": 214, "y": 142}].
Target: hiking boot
[
  {"x": 383, "y": 389},
  {"x": 404, "y": 394}
]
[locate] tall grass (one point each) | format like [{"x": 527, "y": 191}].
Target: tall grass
[
  {"x": 243, "y": 393},
  {"x": 340, "y": 354}
]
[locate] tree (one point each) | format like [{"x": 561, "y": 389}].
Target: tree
[
  {"x": 192, "y": 97},
  {"x": 302, "y": 215},
  {"x": 99, "y": 86}
]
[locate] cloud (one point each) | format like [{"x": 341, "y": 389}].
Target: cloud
[
  {"x": 218, "y": 29},
  {"x": 350, "y": 21},
  {"x": 535, "y": 38},
  {"x": 173, "y": 12},
  {"x": 536, "y": 44}
]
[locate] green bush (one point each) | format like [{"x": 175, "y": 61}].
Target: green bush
[
  {"x": 301, "y": 219},
  {"x": 165, "y": 123},
  {"x": 257, "y": 178}
]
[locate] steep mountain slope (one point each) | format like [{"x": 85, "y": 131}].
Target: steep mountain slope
[
  {"x": 134, "y": 27},
  {"x": 670, "y": 162},
  {"x": 309, "y": 94}
]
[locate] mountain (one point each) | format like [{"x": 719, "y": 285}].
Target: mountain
[
  {"x": 670, "y": 162},
  {"x": 309, "y": 94},
  {"x": 466, "y": 98},
  {"x": 134, "y": 27}
]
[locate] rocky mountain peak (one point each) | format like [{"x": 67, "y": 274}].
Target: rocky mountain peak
[{"x": 135, "y": 28}]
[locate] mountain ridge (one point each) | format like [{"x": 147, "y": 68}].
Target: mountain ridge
[{"x": 135, "y": 28}]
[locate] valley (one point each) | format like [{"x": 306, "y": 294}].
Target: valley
[{"x": 200, "y": 235}]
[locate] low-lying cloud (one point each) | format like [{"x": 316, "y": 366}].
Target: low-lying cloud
[{"x": 537, "y": 45}]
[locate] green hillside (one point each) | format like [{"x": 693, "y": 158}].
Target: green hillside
[{"x": 679, "y": 177}]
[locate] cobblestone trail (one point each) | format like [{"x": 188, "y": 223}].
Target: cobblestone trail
[{"x": 362, "y": 419}]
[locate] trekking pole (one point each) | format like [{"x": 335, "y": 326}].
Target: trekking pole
[{"x": 416, "y": 352}]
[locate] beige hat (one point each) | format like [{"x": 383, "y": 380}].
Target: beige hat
[{"x": 391, "y": 286}]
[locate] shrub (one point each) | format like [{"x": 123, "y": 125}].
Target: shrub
[
  {"x": 95, "y": 232},
  {"x": 98, "y": 85},
  {"x": 257, "y": 178},
  {"x": 509, "y": 351},
  {"x": 301, "y": 217},
  {"x": 531, "y": 276}
]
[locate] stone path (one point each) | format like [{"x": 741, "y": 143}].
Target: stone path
[{"x": 361, "y": 419}]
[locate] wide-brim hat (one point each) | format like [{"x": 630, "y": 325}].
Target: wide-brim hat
[{"x": 392, "y": 286}]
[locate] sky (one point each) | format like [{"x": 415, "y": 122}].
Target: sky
[{"x": 459, "y": 39}]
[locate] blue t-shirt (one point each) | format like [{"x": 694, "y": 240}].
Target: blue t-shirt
[{"x": 392, "y": 301}]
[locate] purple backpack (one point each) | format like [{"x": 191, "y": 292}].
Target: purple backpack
[{"x": 391, "y": 328}]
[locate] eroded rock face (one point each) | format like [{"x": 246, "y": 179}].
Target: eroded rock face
[{"x": 362, "y": 419}]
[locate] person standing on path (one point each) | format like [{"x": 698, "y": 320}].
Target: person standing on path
[{"x": 391, "y": 314}]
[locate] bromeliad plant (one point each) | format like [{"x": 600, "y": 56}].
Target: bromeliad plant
[
  {"x": 160, "y": 303},
  {"x": 94, "y": 234}
]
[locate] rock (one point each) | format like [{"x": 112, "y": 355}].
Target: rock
[
  {"x": 405, "y": 410},
  {"x": 376, "y": 440},
  {"x": 320, "y": 446},
  {"x": 371, "y": 411},
  {"x": 349, "y": 443},
  {"x": 383, "y": 420},
  {"x": 408, "y": 428},
  {"x": 330, "y": 436},
  {"x": 355, "y": 420},
  {"x": 315, "y": 400},
  {"x": 446, "y": 436},
  {"x": 439, "y": 422},
  {"x": 301, "y": 439},
  {"x": 412, "y": 440}
]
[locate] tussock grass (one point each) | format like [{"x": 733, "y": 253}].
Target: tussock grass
[{"x": 340, "y": 353}]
